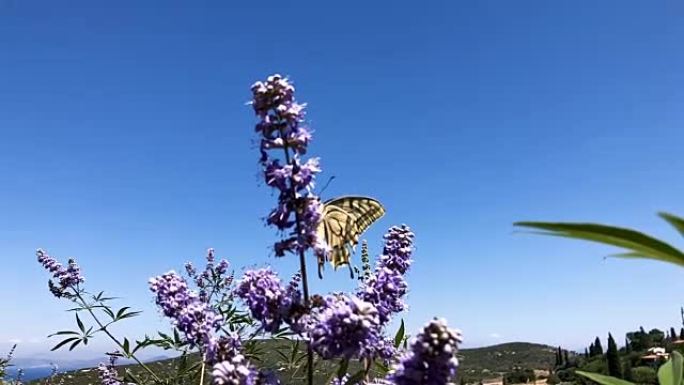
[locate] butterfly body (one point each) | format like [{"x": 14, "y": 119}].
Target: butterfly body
[{"x": 344, "y": 220}]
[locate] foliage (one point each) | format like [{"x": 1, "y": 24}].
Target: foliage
[
  {"x": 643, "y": 375},
  {"x": 636, "y": 244},
  {"x": 553, "y": 379},
  {"x": 519, "y": 376},
  {"x": 671, "y": 373},
  {"x": 613, "y": 358},
  {"x": 6, "y": 362}
]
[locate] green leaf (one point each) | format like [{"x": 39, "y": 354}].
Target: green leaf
[
  {"x": 127, "y": 347},
  {"x": 342, "y": 370},
  {"x": 182, "y": 365},
  {"x": 283, "y": 356},
  {"x": 638, "y": 244},
  {"x": 381, "y": 367},
  {"x": 109, "y": 312},
  {"x": 675, "y": 221},
  {"x": 63, "y": 332},
  {"x": 130, "y": 377},
  {"x": 64, "y": 342},
  {"x": 121, "y": 312},
  {"x": 677, "y": 367},
  {"x": 295, "y": 350},
  {"x": 603, "y": 380},
  {"x": 400, "y": 335},
  {"x": 75, "y": 344},
  {"x": 670, "y": 373},
  {"x": 80, "y": 323}
]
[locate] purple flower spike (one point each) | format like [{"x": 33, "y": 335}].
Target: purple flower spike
[
  {"x": 386, "y": 287},
  {"x": 64, "y": 278},
  {"x": 344, "y": 327},
  {"x": 299, "y": 210},
  {"x": 431, "y": 357},
  {"x": 107, "y": 373},
  {"x": 190, "y": 314},
  {"x": 235, "y": 371},
  {"x": 268, "y": 301}
]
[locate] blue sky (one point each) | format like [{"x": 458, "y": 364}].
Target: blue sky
[{"x": 126, "y": 142}]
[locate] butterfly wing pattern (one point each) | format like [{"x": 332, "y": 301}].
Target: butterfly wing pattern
[{"x": 344, "y": 220}]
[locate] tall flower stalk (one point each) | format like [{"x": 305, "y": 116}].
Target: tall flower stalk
[
  {"x": 299, "y": 210},
  {"x": 202, "y": 303}
]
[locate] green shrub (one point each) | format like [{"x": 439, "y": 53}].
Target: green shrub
[
  {"x": 644, "y": 375},
  {"x": 553, "y": 379}
]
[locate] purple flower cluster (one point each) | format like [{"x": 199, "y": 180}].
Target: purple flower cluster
[
  {"x": 431, "y": 358},
  {"x": 269, "y": 302},
  {"x": 192, "y": 316},
  {"x": 225, "y": 348},
  {"x": 386, "y": 286},
  {"x": 107, "y": 373},
  {"x": 233, "y": 371},
  {"x": 238, "y": 371},
  {"x": 65, "y": 278},
  {"x": 281, "y": 128},
  {"x": 340, "y": 380},
  {"x": 345, "y": 326},
  {"x": 213, "y": 277}
]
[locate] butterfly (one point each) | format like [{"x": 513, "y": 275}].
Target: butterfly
[{"x": 344, "y": 220}]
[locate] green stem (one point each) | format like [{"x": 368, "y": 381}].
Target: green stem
[
  {"x": 302, "y": 268},
  {"x": 116, "y": 341}
]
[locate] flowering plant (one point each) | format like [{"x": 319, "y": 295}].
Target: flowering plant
[{"x": 224, "y": 321}]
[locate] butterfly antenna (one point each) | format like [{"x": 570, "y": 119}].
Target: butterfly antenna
[{"x": 327, "y": 184}]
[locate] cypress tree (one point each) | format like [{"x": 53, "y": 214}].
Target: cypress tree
[
  {"x": 559, "y": 355},
  {"x": 681, "y": 334},
  {"x": 586, "y": 353},
  {"x": 557, "y": 364},
  {"x": 613, "y": 357},
  {"x": 565, "y": 357},
  {"x": 673, "y": 334},
  {"x": 592, "y": 350},
  {"x": 628, "y": 371},
  {"x": 597, "y": 347}
]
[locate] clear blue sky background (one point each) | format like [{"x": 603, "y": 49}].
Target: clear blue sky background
[{"x": 126, "y": 142}]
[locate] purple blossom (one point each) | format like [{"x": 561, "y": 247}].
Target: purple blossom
[
  {"x": 340, "y": 380},
  {"x": 107, "y": 373},
  {"x": 224, "y": 349},
  {"x": 64, "y": 278},
  {"x": 268, "y": 301},
  {"x": 386, "y": 287},
  {"x": 234, "y": 371},
  {"x": 212, "y": 279},
  {"x": 190, "y": 270},
  {"x": 398, "y": 249},
  {"x": 344, "y": 326},
  {"x": 383, "y": 350},
  {"x": 192, "y": 316},
  {"x": 431, "y": 357},
  {"x": 280, "y": 125}
]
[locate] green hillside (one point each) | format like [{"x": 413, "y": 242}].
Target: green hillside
[
  {"x": 492, "y": 361},
  {"x": 475, "y": 364}
]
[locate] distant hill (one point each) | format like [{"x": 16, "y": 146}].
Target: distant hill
[
  {"x": 491, "y": 361},
  {"x": 475, "y": 364}
]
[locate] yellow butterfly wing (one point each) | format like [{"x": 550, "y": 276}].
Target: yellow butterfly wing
[{"x": 344, "y": 220}]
